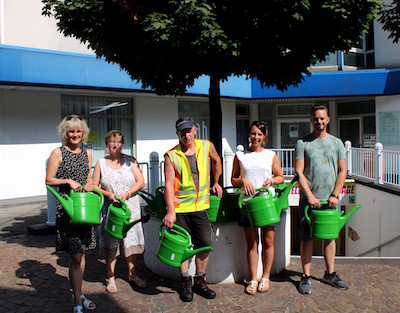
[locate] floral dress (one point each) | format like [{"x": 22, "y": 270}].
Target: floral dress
[
  {"x": 69, "y": 238},
  {"x": 118, "y": 181}
]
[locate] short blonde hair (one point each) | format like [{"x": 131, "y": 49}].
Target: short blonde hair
[
  {"x": 114, "y": 133},
  {"x": 70, "y": 122}
]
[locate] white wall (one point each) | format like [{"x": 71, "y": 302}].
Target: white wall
[
  {"x": 386, "y": 52},
  {"x": 155, "y": 126},
  {"x": 28, "y": 133},
  {"x": 376, "y": 223},
  {"x": 386, "y": 104},
  {"x": 25, "y": 26}
]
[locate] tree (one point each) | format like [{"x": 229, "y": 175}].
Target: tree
[
  {"x": 390, "y": 19},
  {"x": 168, "y": 44}
]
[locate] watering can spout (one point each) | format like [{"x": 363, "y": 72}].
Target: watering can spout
[
  {"x": 281, "y": 202},
  {"x": 191, "y": 252},
  {"x": 129, "y": 225},
  {"x": 67, "y": 204},
  {"x": 148, "y": 197},
  {"x": 343, "y": 219}
]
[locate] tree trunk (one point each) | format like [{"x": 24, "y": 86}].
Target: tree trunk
[
  {"x": 215, "y": 114},
  {"x": 215, "y": 117}
]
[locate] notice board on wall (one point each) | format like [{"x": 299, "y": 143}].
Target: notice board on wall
[{"x": 389, "y": 128}]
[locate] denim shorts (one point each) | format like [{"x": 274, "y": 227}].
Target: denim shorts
[
  {"x": 198, "y": 225},
  {"x": 305, "y": 230}
]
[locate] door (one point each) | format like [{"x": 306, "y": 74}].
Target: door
[
  {"x": 349, "y": 129},
  {"x": 289, "y": 131}
]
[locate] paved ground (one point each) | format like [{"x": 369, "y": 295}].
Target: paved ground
[{"x": 34, "y": 279}]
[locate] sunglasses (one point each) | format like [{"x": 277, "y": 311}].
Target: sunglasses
[
  {"x": 71, "y": 117},
  {"x": 259, "y": 124}
]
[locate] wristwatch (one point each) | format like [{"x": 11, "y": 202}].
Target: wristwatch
[{"x": 333, "y": 195}]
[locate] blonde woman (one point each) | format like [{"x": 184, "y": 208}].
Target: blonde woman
[{"x": 69, "y": 167}]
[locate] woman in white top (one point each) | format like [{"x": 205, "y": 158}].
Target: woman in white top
[
  {"x": 254, "y": 168},
  {"x": 119, "y": 175}
]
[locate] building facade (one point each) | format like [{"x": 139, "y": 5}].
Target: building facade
[{"x": 45, "y": 76}]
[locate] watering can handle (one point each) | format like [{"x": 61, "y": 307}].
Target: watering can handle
[
  {"x": 98, "y": 192},
  {"x": 176, "y": 227},
  {"x": 242, "y": 195}
]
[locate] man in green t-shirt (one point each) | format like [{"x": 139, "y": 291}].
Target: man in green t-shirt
[{"x": 320, "y": 161}]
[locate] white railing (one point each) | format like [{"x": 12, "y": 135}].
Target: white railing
[
  {"x": 375, "y": 165},
  {"x": 286, "y": 156}
]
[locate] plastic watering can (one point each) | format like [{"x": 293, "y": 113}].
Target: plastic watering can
[
  {"x": 260, "y": 208},
  {"x": 224, "y": 209},
  {"x": 281, "y": 198},
  {"x": 118, "y": 219},
  {"x": 175, "y": 246},
  {"x": 326, "y": 222},
  {"x": 83, "y": 208},
  {"x": 156, "y": 202}
]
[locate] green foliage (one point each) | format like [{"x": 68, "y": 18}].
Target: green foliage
[
  {"x": 168, "y": 44},
  {"x": 390, "y": 19}
]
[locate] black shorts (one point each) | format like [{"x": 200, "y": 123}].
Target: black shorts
[{"x": 198, "y": 225}]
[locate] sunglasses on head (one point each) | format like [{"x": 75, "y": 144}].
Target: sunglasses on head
[
  {"x": 68, "y": 118},
  {"x": 259, "y": 124}
]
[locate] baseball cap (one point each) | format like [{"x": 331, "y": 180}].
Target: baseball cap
[{"x": 183, "y": 123}]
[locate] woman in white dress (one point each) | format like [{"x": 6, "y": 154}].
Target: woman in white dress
[
  {"x": 119, "y": 175},
  {"x": 254, "y": 168}
]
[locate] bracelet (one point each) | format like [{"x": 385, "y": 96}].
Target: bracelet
[{"x": 129, "y": 194}]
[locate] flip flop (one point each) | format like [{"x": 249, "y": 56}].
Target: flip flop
[
  {"x": 264, "y": 285},
  {"x": 138, "y": 282},
  {"x": 251, "y": 288},
  {"x": 111, "y": 286},
  {"x": 77, "y": 309}
]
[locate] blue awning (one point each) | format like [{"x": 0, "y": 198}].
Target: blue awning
[{"x": 38, "y": 67}]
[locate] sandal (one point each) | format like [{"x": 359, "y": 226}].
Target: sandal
[
  {"x": 251, "y": 288},
  {"x": 86, "y": 303},
  {"x": 264, "y": 284},
  {"x": 111, "y": 286},
  {"x": 138, "y": 282},
  {"x": 77, "y": 309}
]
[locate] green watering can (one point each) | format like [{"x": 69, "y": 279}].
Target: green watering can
[
  {"x": 175, "y": 246},
  {"x": 157, "y": 202},
  {"x": 224, "y": 209},
  {"x": 83, "y": 208},
  {"x": 326, "y": 222},
  {"x": 118, "y": 221},
  {"x": 262, "y": 208}
]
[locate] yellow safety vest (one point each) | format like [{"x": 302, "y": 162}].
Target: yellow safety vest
[{"x": 187, "y": 197}]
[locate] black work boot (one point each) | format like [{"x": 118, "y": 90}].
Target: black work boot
[
  {"x": 200, "y": 287},
  {"x": 186, "y": 292}
]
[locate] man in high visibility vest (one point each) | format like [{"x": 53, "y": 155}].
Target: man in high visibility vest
[{"x": 187, "y": 194}]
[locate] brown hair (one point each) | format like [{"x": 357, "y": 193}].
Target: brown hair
[
  {"x": 317, "y": 107},
  {"x": 114, "y": 133}
]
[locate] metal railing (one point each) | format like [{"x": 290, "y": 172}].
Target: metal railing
[
  {"x": 375, "y": 165},
  {"x": 286, "y": 156},
  {"x": 382, "y": 167}
]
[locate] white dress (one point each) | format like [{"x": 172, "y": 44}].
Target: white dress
[
  {"x": 256, "y": 166},
  {"x": 118, "y": 181}
]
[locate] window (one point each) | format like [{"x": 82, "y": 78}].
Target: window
[
  {"x": 102, "y": 114},
  {"x": 201, "y": 115}
]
